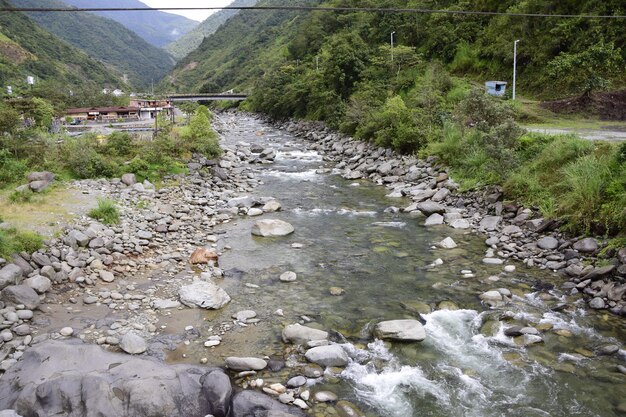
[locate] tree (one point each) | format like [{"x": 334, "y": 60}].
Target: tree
[
  {"x": 188, "y": 108},
  {"x": 42, "y": 112},
  {"x": 9, "y": 119}
]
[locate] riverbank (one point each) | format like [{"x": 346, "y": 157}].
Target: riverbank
[
  {"x": 513, "y": 231},
  {"x": 357, "y": 262}
]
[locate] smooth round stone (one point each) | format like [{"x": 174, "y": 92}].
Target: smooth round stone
[
  {"x": 325, "y": 397},
  {"x": 90, "y": 300},
  {"x": 245, "y": 364},
  {"x": 288, "y": 276},
  {"x": 211, "y": 343},
  {"x": 336, "y": 291},
  {"x": 244, "y": 315},
  {"x": 133, "y": 344},
  {"x": 22, "y": 330},
  {"x": 509, "y": 268},
  {"x": 66, "y": 331},
  {"x": 493, "y": 261},
  {"x": 296, "y": 381},
  {"x": 313, "y": 371},
  {"x": 255, "y": 212}
]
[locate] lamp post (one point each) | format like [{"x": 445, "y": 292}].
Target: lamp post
[
  {"x": 392, "y": 33},
  {"x": 514, "y": 65}
]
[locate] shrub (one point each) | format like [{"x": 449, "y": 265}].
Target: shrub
[
  {"x": 120, "y": 144},
  {"x": 22, "y": 196},
  {"x": 13, "y": 241},
  {"x": 483, "y": 111},
  {"x": 106, "y": 212},
  {"x": 11, "y": 169}
]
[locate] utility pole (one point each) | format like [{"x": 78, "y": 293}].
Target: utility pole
[
  {"x": 514, "y": 65},
  {"x": 392, "y": 33},
  {"x": 317, "y": 63}
]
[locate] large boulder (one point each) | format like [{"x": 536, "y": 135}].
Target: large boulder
[
  {"x": 586, "y": 245},
  {"x": 20, "y": 294},
  {"x": 400, "y": 330},
  {"x": 41, "y": 176},
  {"x": 39, "y": 283},
  {"x": 430, "y": 207},
  {"x": 548, "y": 243},
  {"x": 298, "y": 334},
  {"x": 75, "y": 380},
  {"x": 38, "y": 186},
  {"x": 203, "y": 294},
  {"x": 10, "y": 274},
  {"x": 332, "y": 355},
  {"x": 133, "y": 344},
  {"x": 129, "y": 179},
  {"x": 255, "y": 404},
  {"x": 272, "y": 228}
]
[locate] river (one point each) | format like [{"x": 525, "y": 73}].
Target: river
[{"x": 348, "y": 237}]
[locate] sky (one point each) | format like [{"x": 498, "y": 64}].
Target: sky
[{"x": 198, "y": 15}]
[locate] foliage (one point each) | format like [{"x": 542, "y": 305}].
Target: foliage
[
  {"x": 12, "y": 169},
  {"x": 42, "y": 112},
  {"x": 9, "y": 119},
  {"x": 106, "y": 212},
  {"x": 120, "y": 144},
  {"x": 107, "y": 41},
  {"x": 21, "y": 196},
  {"x": 13, "y": 241},
  {"x": 199, "y": 137}
]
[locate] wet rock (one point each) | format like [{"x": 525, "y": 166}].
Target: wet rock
[
  {"x": 20, "y": 294},
  {"x": 400, "y": 330},
  {"x": 161, "y": 304},
  {"x": 548, "y": 243},
  {"x": 203, "y": 294},
  {"x": 431, "y": 207},
  {"x": 332, "y": 355},
  {"x": 460, "y": 224},
  {"x": 434, "y": 220},
  {"x": 245, "y": 364},
  {"x": 288, "y": 276},
  {"x": 217, "y": 393},
  {"x": 10, "y": 274},
  {"x": 597, "y": 303},
  {"x": 252, "y": 403},
  {"x": 336, "y": 291},
  {"x": 272, "y": 206},
  {"x": 347, "y": 409},
  {"x": 298, "y": 334},
  {"x": 296, "y": 381},
  {"x": 203, "y": 256},
  {"x": 599, "y": 273},
  {"x": 607, "y": 350},
  {"x": 447, "y": 243},
  {"x": 325, "y": 397},
  {"x": 244, "y": 315},
  {"x": 587, "y": 245},
  {"x": 272, "y": 228}
]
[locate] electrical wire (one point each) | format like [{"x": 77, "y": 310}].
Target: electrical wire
[{"x": 311, "y": 9}]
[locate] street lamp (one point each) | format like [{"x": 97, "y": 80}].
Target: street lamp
[
  {"x": 392, "y": 33},
  {"x": 514, "y": 66}
]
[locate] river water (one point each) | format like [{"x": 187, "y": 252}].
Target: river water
[{"x": 383, "y": 261}]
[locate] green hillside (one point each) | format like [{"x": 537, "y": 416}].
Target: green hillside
[
  {"x": 27, "y": 49},
  {"x": 556, "y": 56},
  {"x": 186, "y": 44},
  {"x": 106, "y": 40},
  {"x": 158, "y": 28}
]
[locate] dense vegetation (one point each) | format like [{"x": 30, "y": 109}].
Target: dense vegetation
[
  {"x": 426, "y": 94},
  {"x": 107, "y": 41},
  {"x": 92, "y": 156},
  {"x": 189, "y": 42},
  {"x": 26, "y": 49},
  {"x": 158, "y": 28}
]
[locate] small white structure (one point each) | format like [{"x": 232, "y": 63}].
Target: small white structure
[{"x": 496, "y": 88}]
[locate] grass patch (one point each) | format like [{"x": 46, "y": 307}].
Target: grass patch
[
  {"x": 13, "y": 241},
  {"x": 23, "y": 196},
  {"x": 106, "y": 212}
]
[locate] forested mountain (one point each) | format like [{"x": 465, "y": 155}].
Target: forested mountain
[
  {"x": 158, "y": 28},
  {"x": 183, "y": 46},
  {"x": 106, "y": 40},
  {"x": 556, "y": 56},
  {"x": 26, "y": 49}
]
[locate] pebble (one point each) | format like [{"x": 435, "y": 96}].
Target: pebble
[
  {"x": 325, "y": 397},
  {"x": 509, "y": 268},
  {"x": 288, "y": 276},
  {"x": 66, "y": 331}
]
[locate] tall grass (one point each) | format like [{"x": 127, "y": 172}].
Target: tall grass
[
  {"x": 106, "y": 212},
  {"x": 13, "y": 241}
]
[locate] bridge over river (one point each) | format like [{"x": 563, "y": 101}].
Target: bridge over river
[{"x": 207, "y": 97}]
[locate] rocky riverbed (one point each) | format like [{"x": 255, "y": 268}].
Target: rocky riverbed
[{"x": 283, "y": 321}]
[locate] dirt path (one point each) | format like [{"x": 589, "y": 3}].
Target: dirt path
[{"x": 609, "y": 135}]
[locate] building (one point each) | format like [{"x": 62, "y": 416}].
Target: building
[
  {"x": 104, "y": 114},
  {"x": 496, "y": 88},
  {"x": 150, "y": 107}
]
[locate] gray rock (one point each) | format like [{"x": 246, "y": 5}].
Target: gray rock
[
  {"x": 20, "y": 294},
  {"x": 288, "y": 276},
  {"x": 41, "y": 259},
  {"x": 587, "y": 245},
  {"x": 447, "y": 243},
  {"x": 434, "y": 220},
  {"x": 400, "y": 330},
  {"x": 597, "y": 303},
  {"x": 9, "y": 413},
  {"x": 332, "y": 355},
  {"x": 272, "y": 228},
  {"x": 76, "y": 237},
  {"x": 599, "y": 273},
  {"x": 75, "y": 379},
  {"x": 431, "y": 207},
  {"x": 250, "y": 403},
  {"x": 460, "y": 224},
  {"x": 298, "y": 334},
  {"x": 296, "y": 381},
  {"x": 160, "y": 304},
  {"x": 38, "y": 186},
  {"x": 490, "y": 223},
  {"x": 39, "y": 283},
  {"x": 41, "y": 176},
  {"x": 129, "y": 179},
  {"x": 133, "y": 344},
  {"x": 26, "y": 267},
  {"x": 107, "y": 276},
  {"x": 245, "y": 364},
  {"x": 325, "y": 397},
  {"x": 10, "y": 274},
  {"x": 203, "y": 294},
  {"x": 548, "y": 243}
]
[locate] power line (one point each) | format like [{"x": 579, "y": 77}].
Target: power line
[{"x": 310, "y": 9}]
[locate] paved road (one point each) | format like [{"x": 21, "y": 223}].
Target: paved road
[{"x": 609, "y": 135}]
